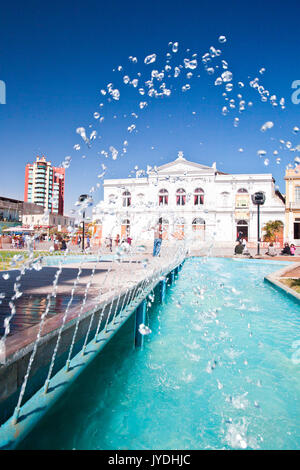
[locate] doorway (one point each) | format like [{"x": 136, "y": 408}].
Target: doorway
[{"x": 242, "y": 226}]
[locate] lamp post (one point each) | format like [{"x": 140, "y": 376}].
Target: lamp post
[
  {"x": 258, "y": 199},
  {"x": 85, "y": 200}
]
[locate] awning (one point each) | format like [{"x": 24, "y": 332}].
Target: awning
[{"x": 18, "y": 229}]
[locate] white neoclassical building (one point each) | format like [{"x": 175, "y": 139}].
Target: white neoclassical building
[{"x": 194, "y": 200}]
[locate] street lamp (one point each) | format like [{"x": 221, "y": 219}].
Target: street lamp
[
  {"x": 85, "y": 201},
  {"x": 258, "y": 199}
]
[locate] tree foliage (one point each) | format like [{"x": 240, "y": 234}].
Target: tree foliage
[{"x": 272, "y": 229}]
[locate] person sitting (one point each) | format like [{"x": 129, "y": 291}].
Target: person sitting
[
  {"x": 245, "y": 248},
  {"x": 286, "y": 250},
  {"x": 239, "y": 248},
  {"x": 292, "y": 249},
  {"x": 63, "y": 245},
  {"x": 271, "y": 250}
]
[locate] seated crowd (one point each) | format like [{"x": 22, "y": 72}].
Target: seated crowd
[{"x": 288, "y": 250}]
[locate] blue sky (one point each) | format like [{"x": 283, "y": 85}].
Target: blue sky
[{"x": 55, "y": 57}]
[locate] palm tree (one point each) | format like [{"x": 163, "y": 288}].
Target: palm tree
[{"x": 271, "y": 229}]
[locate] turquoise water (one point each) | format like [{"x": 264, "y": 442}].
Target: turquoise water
[{"x": 219, "y": 371}]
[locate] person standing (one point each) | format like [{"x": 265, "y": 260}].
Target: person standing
[
  {"x": 157, "y": 238},
  {"x": 239, "y": 236}
]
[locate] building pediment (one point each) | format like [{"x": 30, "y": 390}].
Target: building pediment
[{"x": 181, "y": 166}]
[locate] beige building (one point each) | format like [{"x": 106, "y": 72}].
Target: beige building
[
  {"x": 47, "y": 221},
  {"x": 292, "y": 204}
]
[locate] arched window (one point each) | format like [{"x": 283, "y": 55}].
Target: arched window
[
  {"x": 179, "y": 228},
  {"x": 112, "y": 198},
  {"x": 125, "y": 228},
  {"x": 242, "y": 198},
  {"x": 198, "y": 227},
  {"x": 126, "y": 199},
  {"x": 198, "y": 224},
  {"x": 180, "y": 197},
  {"x": 225, "y": 199},
  {"x": 140, "y": 199},
  {"x": 198, "y": 196},
  {"x": 163, "y": 197}
]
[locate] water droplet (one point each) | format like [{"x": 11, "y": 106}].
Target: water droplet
[
  {"x": 144, "y": 330},
  {"x": 150, "y": 59},
  {"x": 176, "y": 72},
  {"x": 186, "y": 87},
  {"x": 224, "y": 110},
  {"x": 218, "y": 81},
  {"x": 131, "y": 128},
  {"x": 210, "y": 70},
  {"x": 267, "y": 125},
  {"x": 175, "y": 47},
  {"x": 190, "y": 64},
  {"x": 226, "y": 76}
]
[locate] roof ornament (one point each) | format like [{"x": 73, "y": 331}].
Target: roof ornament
[{"x": 180, "y": 155}]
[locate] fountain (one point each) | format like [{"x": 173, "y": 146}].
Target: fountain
[{"x": 57, "y": 349}]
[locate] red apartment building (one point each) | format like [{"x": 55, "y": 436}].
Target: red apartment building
[{"x": 45, "y": 185}]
